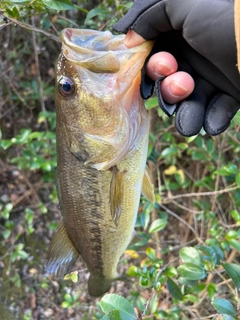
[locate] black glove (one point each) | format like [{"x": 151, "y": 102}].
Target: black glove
[{"x": 200, "y": 34}]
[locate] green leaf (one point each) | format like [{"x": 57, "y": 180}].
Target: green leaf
[
  {"x": 68, "y": 297},
  {"x": 191, "y": 297},
  {"x": 145, "y": 282},
  {"x": 235, "y": 214},
  {"x": 95, "y": 12},
  {"x": 211, "y": 289},
  {"x": 236, "y": 118},
  {"x": 157, "y": 225},
  {"x": 226, "y": 317},
  {"x": 190, "y": 139},
  {"x": 198, "y": 155},
  {"x": 170, "y": 271},
  {"x": 169, "y": 152},
  {"x": 219, "y": 253},
  {"x": 174, "y": 289},
  {"x": 210, "y": 146},
  {"x": 145, "y": 215},
  {"x": 210, "y": 254},
  {"x": 154, "y": 303},
  {"x": 150, "y": 149},
  {"x": 151, "y": 103},
  {"x": 231, "y": 234},
  {"x": 182, "y": 146},
  {"x": 115, "y": 302},
  {"x": 73, "y": 276},
  {"x": 191, "y": 255},
  {"x": 223, "y": 306},
  {"x": 13, "y": 12},
  {"x": 238, "y": 179},
  {"x": 151, "y": 253},
  {"x": 134, "y": 271},
  {"x": 5, "y": 144},
  {"x": 59, "y": 4},
  {"x": 65, "y": 304},
  {"x": 191, "y": 271},
  {"x": 227, "y": 170},
  {"x": 234, "y": 243},
  {"x": 233, "y": 271},
  {"x": 23, "y": 254},
  {"x": 144, "y": 219},
  {"x": 112, "y": 315},
  {"x": 6, "y": 233},
  {"x": 22, "y": 137}
]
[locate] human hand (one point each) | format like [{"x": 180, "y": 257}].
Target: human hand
[
  {"x": 200, "y": 35},
  {"x": 177, "y": 85}
]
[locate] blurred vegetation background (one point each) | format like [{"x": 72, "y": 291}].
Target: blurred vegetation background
[{"x": 186, "y": 263}]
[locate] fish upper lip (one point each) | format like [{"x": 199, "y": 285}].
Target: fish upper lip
[
  {"x": 66, "y": 37},
  {"x": 67, "y": 33}
]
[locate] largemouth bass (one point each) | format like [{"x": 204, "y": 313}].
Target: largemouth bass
[{"x": 102, "y": 139}]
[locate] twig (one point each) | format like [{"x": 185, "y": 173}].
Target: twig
[
  {"x": 37, "y": 67},
  {"x": 187, "y": 309},
  {"x": 35, "y": 29},
  {"x": 209, "y": 317},
  {"x": 178, "y": 247},
  {"x": 147, "y": 303},
  {"x": 200, "y": 194},
  {"x": 187, "y": 209},
  {"x": 182, "y": 221},
  {"x": 223, "y": 282},
  {"x": 69, "y": 21},
  {"x": 22, "y": 197},
  {"x": 164, "y": 268}
]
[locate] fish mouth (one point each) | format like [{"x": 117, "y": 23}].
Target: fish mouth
[
  {"x": 88, "y": 49},
  {"x": 100, "y": 52},
  {"x": 92, "y": 40}
]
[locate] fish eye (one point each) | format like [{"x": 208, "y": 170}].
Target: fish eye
[{"x": 66, "y": 87}]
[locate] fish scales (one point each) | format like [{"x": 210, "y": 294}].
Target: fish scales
[{"x": 101, "y": 156}]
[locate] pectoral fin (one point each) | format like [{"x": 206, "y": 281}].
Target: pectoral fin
[
  {"x": 61, "y": 254},
  {"x": 147, "y": 186},
  {"x": 116, "y": 194}
]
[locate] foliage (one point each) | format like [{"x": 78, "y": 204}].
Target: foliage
[{"x": 185, "y": 264}]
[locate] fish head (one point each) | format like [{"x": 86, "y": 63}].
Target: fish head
[{"x": 98, "y": 102}]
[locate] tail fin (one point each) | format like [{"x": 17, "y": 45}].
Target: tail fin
[{"x": 61, "y": 254}]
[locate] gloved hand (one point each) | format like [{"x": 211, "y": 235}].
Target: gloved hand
[{"x": 200, "y": 34}]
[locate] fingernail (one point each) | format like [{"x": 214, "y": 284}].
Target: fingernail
[
  {"x": 177, "y": 90},
  {"x": 127, "y": 39},
  {"x": 162, "y": 69},
  {"x": 133, "y": 39}
]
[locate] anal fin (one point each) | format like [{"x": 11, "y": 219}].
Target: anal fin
[
  {"x": 147, "y": 186},
  {"x": 116, "y": 194},
  {"x": 61, "y": 254}
]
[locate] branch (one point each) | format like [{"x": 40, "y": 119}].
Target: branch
[
  {"x": 200, "y": 194},
  {"x": 182, "y": 221},
  {"x": 33, "y": 28}
]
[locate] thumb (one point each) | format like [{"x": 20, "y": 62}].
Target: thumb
[{"x": 133, "y": 39}]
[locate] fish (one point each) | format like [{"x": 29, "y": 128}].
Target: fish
[{"x": 102, "y": 129}]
